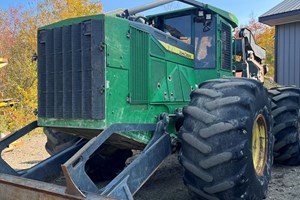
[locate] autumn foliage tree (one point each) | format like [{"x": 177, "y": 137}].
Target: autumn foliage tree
[
  {"x": 18, "y": 34},
  {"x": 266, "y": 40}
]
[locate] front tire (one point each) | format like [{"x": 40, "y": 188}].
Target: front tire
[{"x": 227, "y": 141}]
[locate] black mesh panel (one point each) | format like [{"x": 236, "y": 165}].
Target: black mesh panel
[{"x": 71, "y": 71}]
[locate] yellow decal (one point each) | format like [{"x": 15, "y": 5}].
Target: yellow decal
[{"x": 177, "y": 50}]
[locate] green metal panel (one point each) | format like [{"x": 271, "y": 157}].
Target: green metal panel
[
  {"x": 118, "y": 108},
  {"x": 188, "y": 81},
  {"x": 158, "y": 82},
  {"x": 117, "y": 42},
  {"x": 120, "y": 73},
  {"x": 177, "y": 84},
  {"x": 156, "y": 50},
  {"x": 168, "y": 56},
  {"x": 68, "y": 123},
  {"x": 173, "y": 80},
  {"x": 139, "y": 66},
  {"x": 231, "y": 18},
  {"x": 204, "y": 75}
]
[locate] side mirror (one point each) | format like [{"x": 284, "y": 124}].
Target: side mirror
[
  {"x": 206, "y": 28},
  {"x": 207, "y": 22}
]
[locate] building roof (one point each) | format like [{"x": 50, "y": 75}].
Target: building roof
[{"x": 285, "y": 12}]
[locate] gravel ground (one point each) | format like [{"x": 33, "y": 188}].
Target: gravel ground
[
  {"x": 26, "y": 152},
  {"x": 166, "y": 183}
]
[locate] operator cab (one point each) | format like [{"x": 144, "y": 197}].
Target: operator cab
[
  {"x": 193, "y": 27},
  {"x": 197, "y": 27},
  {"x": 202, "y": 33}
]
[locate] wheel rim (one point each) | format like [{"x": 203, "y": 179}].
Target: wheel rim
[{"x": 259, "y": 144}]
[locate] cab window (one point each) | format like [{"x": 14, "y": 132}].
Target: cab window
[{"x": 179, "y": 27}]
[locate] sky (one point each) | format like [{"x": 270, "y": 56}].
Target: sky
[{"x": 244, "y": 10}]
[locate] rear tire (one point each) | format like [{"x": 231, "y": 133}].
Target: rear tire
[
  {"x": 227, "y": 141},
  {"x": 285, "y": 111},
  {"x": 103, "y": 165}
]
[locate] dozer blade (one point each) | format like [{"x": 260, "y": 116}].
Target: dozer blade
[
  {"x": 29, "y": 184},
  {"x": 13, "y": 187}
]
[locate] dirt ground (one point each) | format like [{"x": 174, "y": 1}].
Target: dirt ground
[{"x": 166, "y": 183}]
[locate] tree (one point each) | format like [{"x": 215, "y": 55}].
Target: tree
[
  {"x": 18, "y": 43},
  {"x": 9, "y": 26}
]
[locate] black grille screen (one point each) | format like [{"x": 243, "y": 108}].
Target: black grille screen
[
  {"x": 226, "y": 47},
  {"x": 71, "y": 71}
]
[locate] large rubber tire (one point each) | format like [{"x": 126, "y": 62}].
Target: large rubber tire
[
  {"x": 220, "y": 157},
  {"x": 285, "y": 111},
  {"x": 103, "y": 165},
  {"x": 57, "y": 141}
]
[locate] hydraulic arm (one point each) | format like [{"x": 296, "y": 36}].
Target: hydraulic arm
[{"x": 252, "y": 56}]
